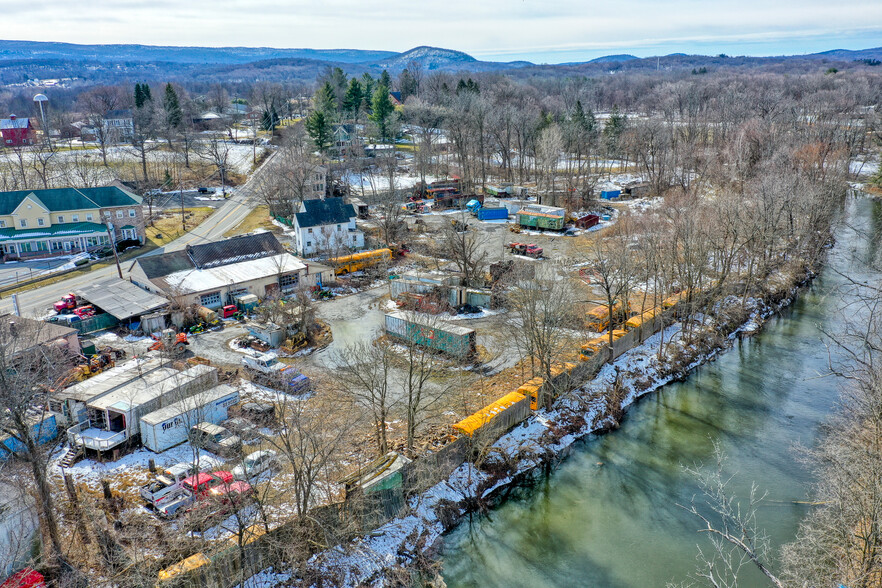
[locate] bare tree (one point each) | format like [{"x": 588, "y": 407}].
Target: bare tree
[
  {"x": 365, "y": 371},
  {"x": 465, "y": 248}
]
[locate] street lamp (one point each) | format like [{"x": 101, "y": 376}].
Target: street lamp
[{"x": 40, "y": 99}]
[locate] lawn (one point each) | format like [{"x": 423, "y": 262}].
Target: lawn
[
  {"x": 168, "y": 227},
  {"x": 257, "y": 219}
]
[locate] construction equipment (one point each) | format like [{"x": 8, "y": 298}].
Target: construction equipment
[
  {"x": 67, "y": 302},
  {"x": 514, "y": 228},
  {"x": 528, "y": 249},
  {"x": 89, "y": 366},
  {"x": 168, "y": 340}
]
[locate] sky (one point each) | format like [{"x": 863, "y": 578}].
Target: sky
[{"x": 542, "y": 31}]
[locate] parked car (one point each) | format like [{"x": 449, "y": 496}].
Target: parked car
[
  {"x": 167, "y": 483},
  {"x": 259, "y": 412},
  {"x": 193, "y": 489},
  {"x": 255, "y": 464},
  {"x": 246, "y": 430},
  {"x": 127, "y": 244},
  {"x": 215, "y": 438},
  {"x": 220, "y": 502}
]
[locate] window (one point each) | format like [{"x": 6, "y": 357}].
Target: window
[
  {"x": 107, "y": 213},
  {"x": 61, "y": 218},
  {"x": 2, "y": 224},
  {"x": 119, "y": 214},
  {"x": 40, "y": 222},
  {"x": 132, "y": 212},
  {"x": 23, "y": 223},
  {"x": 338, "y": 228},
  {"x": 309, "y": 243},
  {"x": 309, "y": 231},
  {"x": 89, "y": 216},
  {"x": 75, "y": 218}
]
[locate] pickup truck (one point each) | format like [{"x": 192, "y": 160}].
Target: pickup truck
[
  {"x": 191, "y": 490},
  {"x": 167, "y": 483},
  {"x": 528, "y": 249},
  {"x": 267, "y": 368}
]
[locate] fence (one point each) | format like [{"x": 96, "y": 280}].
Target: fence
[{"x": 99, "y": 322}]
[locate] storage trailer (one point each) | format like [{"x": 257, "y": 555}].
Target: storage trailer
[
  {"x": 168, "y": 426},
  {"x": 441, "y": 336}
]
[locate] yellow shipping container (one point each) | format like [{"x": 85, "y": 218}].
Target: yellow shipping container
[
  {"x": 474, "y": 422},
  {"x": 182, "y": 567}
]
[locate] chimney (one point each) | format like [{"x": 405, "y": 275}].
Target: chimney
[{"x": 11, "y": 117}]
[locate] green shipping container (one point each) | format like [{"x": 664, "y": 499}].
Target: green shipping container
[{"x": 540, "y": 221}]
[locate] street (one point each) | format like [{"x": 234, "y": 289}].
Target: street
[{"x": 38, "y": 302}]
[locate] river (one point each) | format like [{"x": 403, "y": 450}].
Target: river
[{"x": 608, "y": 515}]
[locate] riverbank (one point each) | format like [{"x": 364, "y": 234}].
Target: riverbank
[{"x": 531, "y": 449}]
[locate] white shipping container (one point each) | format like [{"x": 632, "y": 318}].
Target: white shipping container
[{"x": 169, "y": 426}]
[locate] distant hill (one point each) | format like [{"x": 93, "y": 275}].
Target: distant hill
[
  {"x": 436, "y": 58},
  {"x": 13, "y": 50},
  {"x": 613, "y": 58}
]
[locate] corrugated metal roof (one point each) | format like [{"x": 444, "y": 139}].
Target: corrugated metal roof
[
  {"x": 15, "y": 123},
  {"x": 121, "y": 299},
  {"x": 195, "y": 280},
  {"x": 237, "y": 249}
]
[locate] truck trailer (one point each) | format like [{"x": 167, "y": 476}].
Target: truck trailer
[
  {"x": 441, "y": 336},
  {"x": 168, "y": 426}
]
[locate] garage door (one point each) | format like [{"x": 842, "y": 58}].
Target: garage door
[{"x": 212, "y": 300}]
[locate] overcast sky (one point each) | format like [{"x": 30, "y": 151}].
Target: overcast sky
[{"x": 538, "y": 30}]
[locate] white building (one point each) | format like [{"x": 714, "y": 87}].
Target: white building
[{"x": 327, "y": 227}]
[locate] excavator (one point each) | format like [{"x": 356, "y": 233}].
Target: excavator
[
  {"x": 171, "y": 341},
  {"x": 89, "y": 366}
]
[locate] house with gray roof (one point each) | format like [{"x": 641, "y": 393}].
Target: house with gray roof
[
  {"x": 326, "y": 227},
  {"x": 215, "y": 274},
  {"x": 63, "y": 221}
]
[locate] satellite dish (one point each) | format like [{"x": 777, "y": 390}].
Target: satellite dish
[{"x": 41, "y": 98}]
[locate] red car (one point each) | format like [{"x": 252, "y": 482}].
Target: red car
[
  {"x": 26, "y": 578},
  {"x": 220, "y": 502},
  {"x": 192, "y": 489}
]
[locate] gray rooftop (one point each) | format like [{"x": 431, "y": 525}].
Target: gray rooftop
[
  {"x": 121, "y": 299},
  {"x": 185, "y": 405}
]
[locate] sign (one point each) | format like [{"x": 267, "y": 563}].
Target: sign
[{"x": 15, "y": 308}]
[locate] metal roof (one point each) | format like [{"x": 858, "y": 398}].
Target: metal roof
[
  {"x": 61, "y": 199},
  {"x": 324, "y": 212},
  {"x": 14, "y": 123},
  {"x": 121, "y": 299},
  {"x": 150, "y": 386},
  {"x": 185, "y": 405},
  {"x": 237, "y": 249},
  {"x": 190, "y": 281}
]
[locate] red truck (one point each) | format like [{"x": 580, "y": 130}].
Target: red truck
[
  {"x": 194, "y": 488},
  {"x": 528, "y": 249},
  {"x": 67, "y": 302}
]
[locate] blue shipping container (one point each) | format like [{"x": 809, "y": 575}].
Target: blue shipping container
[
  {"x": 43, "y": 430},
  {"x": 492, "y": 213},
  {"x": 610, "y": 194}
]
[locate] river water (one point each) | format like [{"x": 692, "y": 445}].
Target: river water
[{"x": 608, "y": 516}]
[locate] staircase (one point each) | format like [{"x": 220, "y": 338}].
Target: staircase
[{"x": 71, "y": 455}]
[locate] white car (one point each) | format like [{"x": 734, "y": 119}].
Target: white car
[{"x": 255, "y": 464}]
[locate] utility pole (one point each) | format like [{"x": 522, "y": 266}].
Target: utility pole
[
  {"x": 115, "y": 253},
  {"x": 183, "y": 218}
]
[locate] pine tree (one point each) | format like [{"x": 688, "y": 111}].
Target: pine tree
[
  {"x": 326, "y": 101},
  {"x": 613, "y": 129},
  {"x": 353, "y": 99},
  {"x": 385, "y": 79},
  {"x": 319, "y": 129},
  {"x": 407, "y": 84},
  {"x": 382, "y": 109},
  {"x": 173, "y": 113}
]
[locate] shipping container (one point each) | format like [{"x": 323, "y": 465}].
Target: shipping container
[
  {"x": 473, "y": 423},
  {"x": 442, "y": 336},
  {"x": 43, "y": 428},
  {"x": 492, "y": 213},
  {"x": 168, "y": 426},
  {"x": 610, "y": 194},
  {"x": 542, "y": 217}
]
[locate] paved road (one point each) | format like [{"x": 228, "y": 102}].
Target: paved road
[{"x": 38, "y": 302}]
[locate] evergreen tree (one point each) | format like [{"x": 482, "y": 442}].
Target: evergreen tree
[
  {"x": 326, "y": 101},
  {"x": 407, "y": 84},
  {"x": 270, "y": 119},
  {"x": 353, "y": 99},
  {"x": 173, "y": 113},
  {"x": 613, "y": 129},
  {"x": 382, "y": 109},
  {"x": 142, "y": 95},
  {"x": 318, "y": 126},
  {"x": 367, "y": 91},
  {"x": 385, "y": 79}
]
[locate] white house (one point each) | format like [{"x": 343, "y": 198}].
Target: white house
[{"x": 326, "y": 226}]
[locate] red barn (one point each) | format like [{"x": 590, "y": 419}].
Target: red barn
[{"x": 16, "y": 131}]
